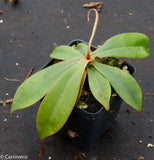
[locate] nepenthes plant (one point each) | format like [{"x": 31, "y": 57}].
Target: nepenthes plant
[{"x": 60, "y": 85}]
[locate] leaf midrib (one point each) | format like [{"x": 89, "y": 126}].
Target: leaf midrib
[{"x": 97, "y": 80}]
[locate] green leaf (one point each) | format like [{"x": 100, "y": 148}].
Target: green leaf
[
  {"x": 82, "y": 48},
  {"x": 127, "y": 45},
  {"x": 60, "y": 100},
  {"x": 123, "y": 83},
  {"x": 99, "y": 87},
  {"x": 36, "y": 86},
  {"x": 65, "y": 53}
]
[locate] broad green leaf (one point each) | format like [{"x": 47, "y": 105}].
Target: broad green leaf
[
  {"x": 127, "y": 45},
  {"x": 83, "y": 48},
  {"x": 123, "y": 83},
  {"x": 99, "y": 87},
  {"x": 65, "y": 53},
  {"x": 60, "y": 100},
  {"x": 35, "y": 87}
]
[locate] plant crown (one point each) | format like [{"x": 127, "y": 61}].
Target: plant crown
[{"x": 61, "y": 84}]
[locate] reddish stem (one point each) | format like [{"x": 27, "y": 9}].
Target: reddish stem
[
  {"x": 42, "y": 148},
  {"x": 138, "y": 113},
  {"x": 93, "y": 31}
]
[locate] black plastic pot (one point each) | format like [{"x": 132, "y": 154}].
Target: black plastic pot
[{"x": 91, "y": 126}]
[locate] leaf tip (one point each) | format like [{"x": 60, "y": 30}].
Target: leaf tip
[
  {"x": 11, "y": 110},
  {"x": 11, "y": 113},
  {"x": 107, "y": 107},
  {"x": 138, "y": 113}
]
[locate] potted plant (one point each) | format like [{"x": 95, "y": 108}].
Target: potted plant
[{"x": 62, "y": 84}]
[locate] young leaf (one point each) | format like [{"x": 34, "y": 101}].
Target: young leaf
[
  {"x": 65, "y": 53},
  {"x": 60, "y": 100},
  {"x": 99, "y": 87},
  {"x": 35, "y": 87},
  {"x": 127, "y": 45},
  {"x": 83, "y": 48},
  {"x": 123, "y": 83}
]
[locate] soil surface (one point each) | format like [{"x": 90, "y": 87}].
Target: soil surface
[
  {"x": 29, "y": 31},
  {"x": 88, "y": 102}
]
